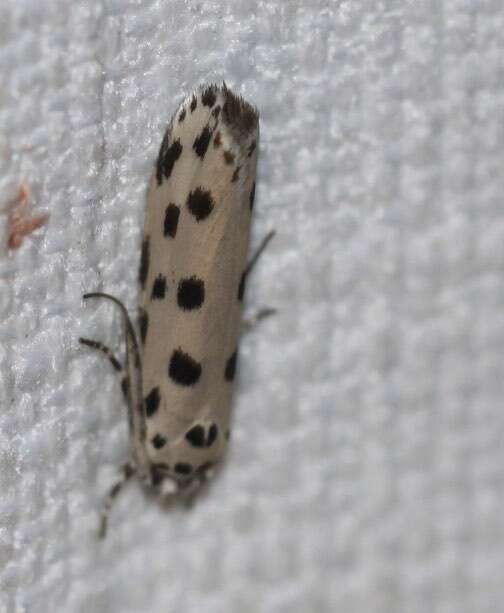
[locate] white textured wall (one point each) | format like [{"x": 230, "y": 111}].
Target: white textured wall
[{"x": 367, "y": 466}]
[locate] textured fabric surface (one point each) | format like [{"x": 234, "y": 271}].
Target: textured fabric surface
[{"x": 367, "y": 464}]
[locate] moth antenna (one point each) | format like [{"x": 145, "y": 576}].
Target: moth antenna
[
  {"x": 127, "y": 320},
  {"x": 107, "y": 352}
]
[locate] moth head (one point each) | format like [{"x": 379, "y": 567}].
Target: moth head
[
  {"x": 160, "y": 479},
  {"x": 168, "y": 485}
]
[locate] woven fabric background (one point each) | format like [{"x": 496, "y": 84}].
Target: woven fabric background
[{"x": 366, "y": 471}]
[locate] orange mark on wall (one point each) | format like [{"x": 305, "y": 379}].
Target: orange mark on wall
[{"x": 19, "y": 221}]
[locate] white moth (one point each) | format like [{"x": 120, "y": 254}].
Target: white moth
[{"x": 178, "y": 378}]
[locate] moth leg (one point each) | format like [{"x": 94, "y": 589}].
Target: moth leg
[
  {"x": 128, "y": 470},
  {"x": 250, "y": 323},
  {"x": 264, "y": 243}
]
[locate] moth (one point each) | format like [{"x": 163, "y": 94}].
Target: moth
[{"x": 177, "y": 378}]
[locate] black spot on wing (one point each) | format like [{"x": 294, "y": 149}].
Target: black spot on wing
[
  {"x": 167, "y": 157},
  {"x": 152, "y": 401},
  {"x": 252, "y": 196},
  {"x": 251, "y": 149},
  {"x": 208, "y": 96},
  {"x": 196, "y": 436},
  {"x": 216, "y": 112},
  {"x": 200, "y": 203},
  {"x": 182, "y": 116},
  {"x": 194, "y": 104},
  {"x": 205, "y": 468},
  {"x": 212, "y": 435},
  {"x": 201, "y": 142},
  {"x": 229, "y": 157},
  {"x": 171, "y": 219},
  {"x": 241, "y": 287},
  {"x": 143, "y": 324},
  {"x": 190, "y": 293},
  {"x": 183, "y": 369},
  {"x": 158, "y": 473},
  {"x": 144, "y": 262},
  {"x": 159, "y": 288},
  {"x": 182, "y": 468},
  {"x": 158, "y": 441},
  {"x": 229, "y": 373},
  {"x": 236, "y": 174},
  {"x": 165, "y": 143}
]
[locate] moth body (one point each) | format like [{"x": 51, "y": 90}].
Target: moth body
[{"x": 179, "y": 370}]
